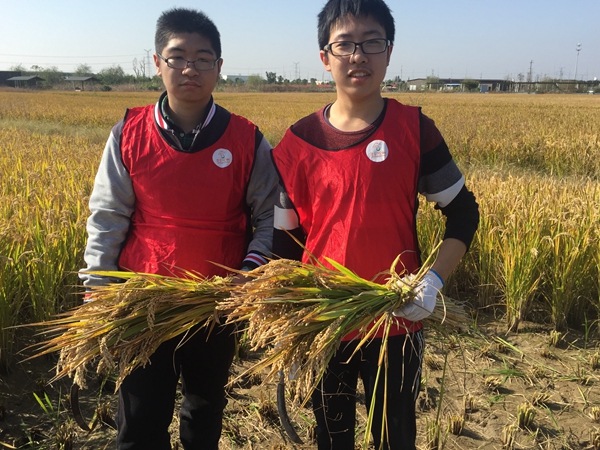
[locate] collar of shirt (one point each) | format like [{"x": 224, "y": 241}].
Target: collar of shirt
[
  {"x": 364, "y": 132},
  {"x": 163, "y": 120}
]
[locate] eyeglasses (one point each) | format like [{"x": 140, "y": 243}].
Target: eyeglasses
[
  {"x": 180, "y": 63},
  {"x": 347, "y": 48}
]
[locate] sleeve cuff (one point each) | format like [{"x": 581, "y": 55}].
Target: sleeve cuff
[{"x": 253, "y": 260}]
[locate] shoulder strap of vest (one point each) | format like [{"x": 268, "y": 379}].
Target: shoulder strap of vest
[{"x": 135, "y": 112}]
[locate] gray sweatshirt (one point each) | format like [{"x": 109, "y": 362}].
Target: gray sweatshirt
[{"x": 112, "y": 201}]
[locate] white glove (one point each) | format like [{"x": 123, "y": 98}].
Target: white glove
[{"x": 425, "y": 298}]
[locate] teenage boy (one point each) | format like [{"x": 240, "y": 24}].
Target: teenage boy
[
  {"x": 181, "y": 184},
  {"x": 352, "y": 172}
]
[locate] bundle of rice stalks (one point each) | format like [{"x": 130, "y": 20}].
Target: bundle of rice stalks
[
  {"x": 300, "y": 312},
  {"x": 126, "y": 322}
]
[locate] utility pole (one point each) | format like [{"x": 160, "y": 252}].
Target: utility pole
[
  {"x": 577, "y": 49},
  {"x": 530, "y": 74},
  {"x": 148, "y": 66},
  {"x": 296, "y": 70}
]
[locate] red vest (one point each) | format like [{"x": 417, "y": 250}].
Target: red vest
[
  {"x": 357, "y": 206},
  {"x": 190, "y": 207}
]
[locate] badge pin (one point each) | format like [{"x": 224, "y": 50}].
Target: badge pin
[
  {"x": 222, "y": 157},
  {"x": 377, "y": 151}
]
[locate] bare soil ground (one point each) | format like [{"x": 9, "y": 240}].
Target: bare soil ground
[{"x": 527, "y": 390}]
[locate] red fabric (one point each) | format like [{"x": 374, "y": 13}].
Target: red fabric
[
  {"x": 189, "y": 211},
  {"x": 353, "y": 210}
]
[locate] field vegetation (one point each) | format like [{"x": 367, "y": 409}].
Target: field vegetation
[{"x": 533, "y": 162}]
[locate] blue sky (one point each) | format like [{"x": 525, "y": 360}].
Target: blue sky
[{"x": 460, "y": 38}]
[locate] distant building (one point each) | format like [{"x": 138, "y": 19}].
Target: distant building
[
  {"x": 6, "y": 74},
  {"x": 25, "y": 81},
  {"x": 82, "y": 80},
  {"x": 454, "y": 84},
  {"x": 418, "y": 84},
  {"x": 236, "y": 78}
]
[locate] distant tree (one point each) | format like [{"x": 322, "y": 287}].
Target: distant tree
[
  {"x": 112, "y": 75},
  {"x": 156, "y": 83},
  {"x": 83, "y": 70},
  {"x": 51, "y": 75},
  {"x": 313, "y": 81},
  {"x": 271, "y": 77},
  {"x": 255, "y": 81},
  {"x": 400, "y": 85},
  {"x": 470, "y": 84},
  {"x": 300, "y": 81},
  {"x": 18, "y": 68},
  {"x": 139, "y": 68},
  {"x": 280, "y": 80}
]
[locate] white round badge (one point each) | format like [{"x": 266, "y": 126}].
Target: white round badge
[
  {"x": 222, "y": 157},
  {"x": 377, "y": 151}
]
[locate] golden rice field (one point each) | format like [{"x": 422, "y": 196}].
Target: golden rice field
[{"x": 532, "y": 160}]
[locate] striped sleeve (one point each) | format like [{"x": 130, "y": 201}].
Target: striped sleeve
[
  {"x": 442, "y": 182},
  {"x": 288, "y": 236}
]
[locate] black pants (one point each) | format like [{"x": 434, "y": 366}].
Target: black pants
[
  {"x": 334, "y": 402},
  {"x": 147, "y": 395}
]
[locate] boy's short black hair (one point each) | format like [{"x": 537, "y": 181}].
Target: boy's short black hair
[
  {"x": 183, "y": 20},
  {"x": 335, "y": 10}
]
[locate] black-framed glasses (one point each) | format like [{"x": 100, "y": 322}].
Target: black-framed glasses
[
  {"x": 347, "y": 48},
  {"x": 180, "y": 63}
]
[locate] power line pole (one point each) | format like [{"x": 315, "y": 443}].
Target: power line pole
[
  {"x": 296, "y": 70},
  {"x": 148, "y": 66},
  {"x": 530, "y": 71},
  {"x": 577, "y": 49}
]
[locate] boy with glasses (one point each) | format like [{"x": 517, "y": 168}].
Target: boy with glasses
[
  {"x": 350, "y": 176},
  {"x": 181, "y": 184}
]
